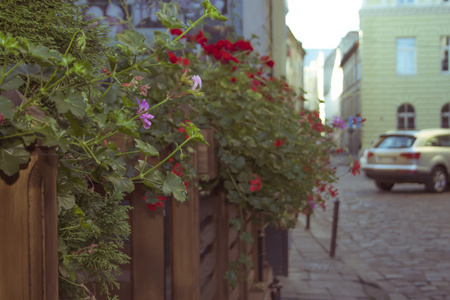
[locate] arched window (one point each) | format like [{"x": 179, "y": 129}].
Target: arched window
[
  {"x": 445, "y": 116},
  {"x": 406, "y": 117}
]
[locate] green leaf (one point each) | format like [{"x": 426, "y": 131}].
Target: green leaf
[
  {"x": 29, "y": 69},
  {"x": 121, "y": 184},
  {"x": 133, "y": 40},
  {"x": 54, "y": 135},
  {"x": 154, "y": 179},
  {"x": 247, "y": 237},
  {"x": 146, "y": 148},
  {"x": 176, "y": 45},
  {"x": 244, "y": 258},
  {"x": 175, "y": 186},
  {"x": 12, "y": 155},
  {"x": 74, "y": 103},
  {"x": 162, "y": 38},
  {"x": 6, "y": 108},
  {"x": 11, "y": 82},
  {"x": 43, "y": 53},
  {"x": 169, "y": 21},
  {"x": 66, "y": 201}
]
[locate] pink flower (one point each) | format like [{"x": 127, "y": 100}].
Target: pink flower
[
  {"x": 145, "y": 117},
  {"x": 1, "y": 118},
  {"x": 197, "y": 82},
  {"x": 144, "y": 89}
]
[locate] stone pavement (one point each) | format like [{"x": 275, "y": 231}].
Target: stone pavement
[
  {"x": 390, "y": 245},
  {"x": 314, "y": 275}
]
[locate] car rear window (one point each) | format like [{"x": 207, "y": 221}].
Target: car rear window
[{"x": 395, "y": 141}]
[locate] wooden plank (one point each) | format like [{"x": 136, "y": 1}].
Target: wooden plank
[
  {"x": 207, "y": 267},
  {"x": 147, "y": 235},
  {"x": 206, "y": 159},
  {"x": 207, "y": 206},
  {"x": 233, "y": 253},
  {"x": 185, "y": 246},
  {"x": 207, "y": 236},
  {"x": 234, "y": 295},
  {"x": 208, "y": 291},
  {"x": 222, "y": 228}
]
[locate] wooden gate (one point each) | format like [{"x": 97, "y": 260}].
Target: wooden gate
[{"x": 28, "y": 230}]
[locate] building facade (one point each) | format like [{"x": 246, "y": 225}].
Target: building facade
[
  {"x": 405, "y": 76},
  {"x": 350, "y": 99}
]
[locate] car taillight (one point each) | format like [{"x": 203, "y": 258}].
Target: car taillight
[
  {"x": 415, "y": 155},
  {"x": 369, "y": 155}
]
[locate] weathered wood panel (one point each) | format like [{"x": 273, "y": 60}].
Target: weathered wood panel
[
  {"x": 208, "y": 291},
  {"x": 185, "y": 243},
  {"x": 147, "y": 238},
  {"x": 28, "y": 230}
]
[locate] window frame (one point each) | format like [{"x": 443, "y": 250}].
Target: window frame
[
  {"x": 406, "y": 56},
  {"x": 405, "y": 112},
  {"x": 445, "y": 114},
  {"x": 445, "y": 53}
]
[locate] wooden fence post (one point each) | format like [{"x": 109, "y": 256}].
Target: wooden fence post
[
  {"x": 28, "y": 230},
  {"x": 185, "y": 247},
  {"x": 147, "y": 238}
]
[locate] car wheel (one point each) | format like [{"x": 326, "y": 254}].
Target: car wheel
[
  {"x": 384, "y": 186},
  {"x": 437, "y": 181}
]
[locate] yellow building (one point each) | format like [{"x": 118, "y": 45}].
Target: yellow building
[{"x": 405, "y": 80}]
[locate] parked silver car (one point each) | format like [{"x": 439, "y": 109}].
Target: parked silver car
[{"x": 415, "y": 156}]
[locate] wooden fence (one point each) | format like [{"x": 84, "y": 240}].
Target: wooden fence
[{"x": 179, "y": 253}]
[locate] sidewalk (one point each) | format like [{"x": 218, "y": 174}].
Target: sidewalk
[{"x": 314, "y": 275}]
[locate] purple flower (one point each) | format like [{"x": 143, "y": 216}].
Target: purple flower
[
  {"x": 197, "y": 82},
  {"x": 338, "y": 123},
  {"x": 145, "y": 117}
]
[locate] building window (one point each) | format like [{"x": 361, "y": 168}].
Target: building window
[
  {"x": 405, "y": 1},
  {"x": 445, "y": 47},
  {"x": 406, "y": 117},
  {"x": 445, "y": 116},
  {"x": 406, "y": 56}
]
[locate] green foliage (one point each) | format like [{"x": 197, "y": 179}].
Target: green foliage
[
  {"x": 53, "y": 24},
  {"x": 79, "y": 97},
  {"x": 91, "y": 239}
]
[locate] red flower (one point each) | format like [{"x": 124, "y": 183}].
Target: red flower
[
  {"x": 176, "y": 31},
  {"x": 233, "y": 79},
  {"x": 256, "y": 183},
  {"x": 105, "y": 70},
  {"x": 339, "y": 150},
  {"x": 184, "y": 61},
  {"x": 268, "y": 61},
  {"x": 177, "y": 169},
  {"x": 173, "y": 59},
  {"x": 243, "y": 45},
  {"x": 279, "y": 143},
  {"x": 356, "y": 168},
  {"x": 200, "y": 38},
  {"x": 333, "y": 191}
]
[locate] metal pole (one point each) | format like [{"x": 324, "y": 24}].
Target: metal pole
[
  {"x": 334, "y": 229},
  {"x": 308, "y": 215}
]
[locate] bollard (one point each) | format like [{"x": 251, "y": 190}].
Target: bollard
[
  {"x": 275, "y": 287},
  {"x": 334, "y": 229},
  {"x": 308, "y": 216}
]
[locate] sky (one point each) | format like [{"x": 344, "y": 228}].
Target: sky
[{"x": 321, "y": 24}]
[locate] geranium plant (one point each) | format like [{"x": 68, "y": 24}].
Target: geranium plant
[{"x": 97, "y": 112}]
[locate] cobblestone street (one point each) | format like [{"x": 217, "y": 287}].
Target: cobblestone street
[{"x": 398, "y": 240}]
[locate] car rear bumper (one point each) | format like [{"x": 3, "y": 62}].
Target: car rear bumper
[{"x": 397, "y": 176}]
